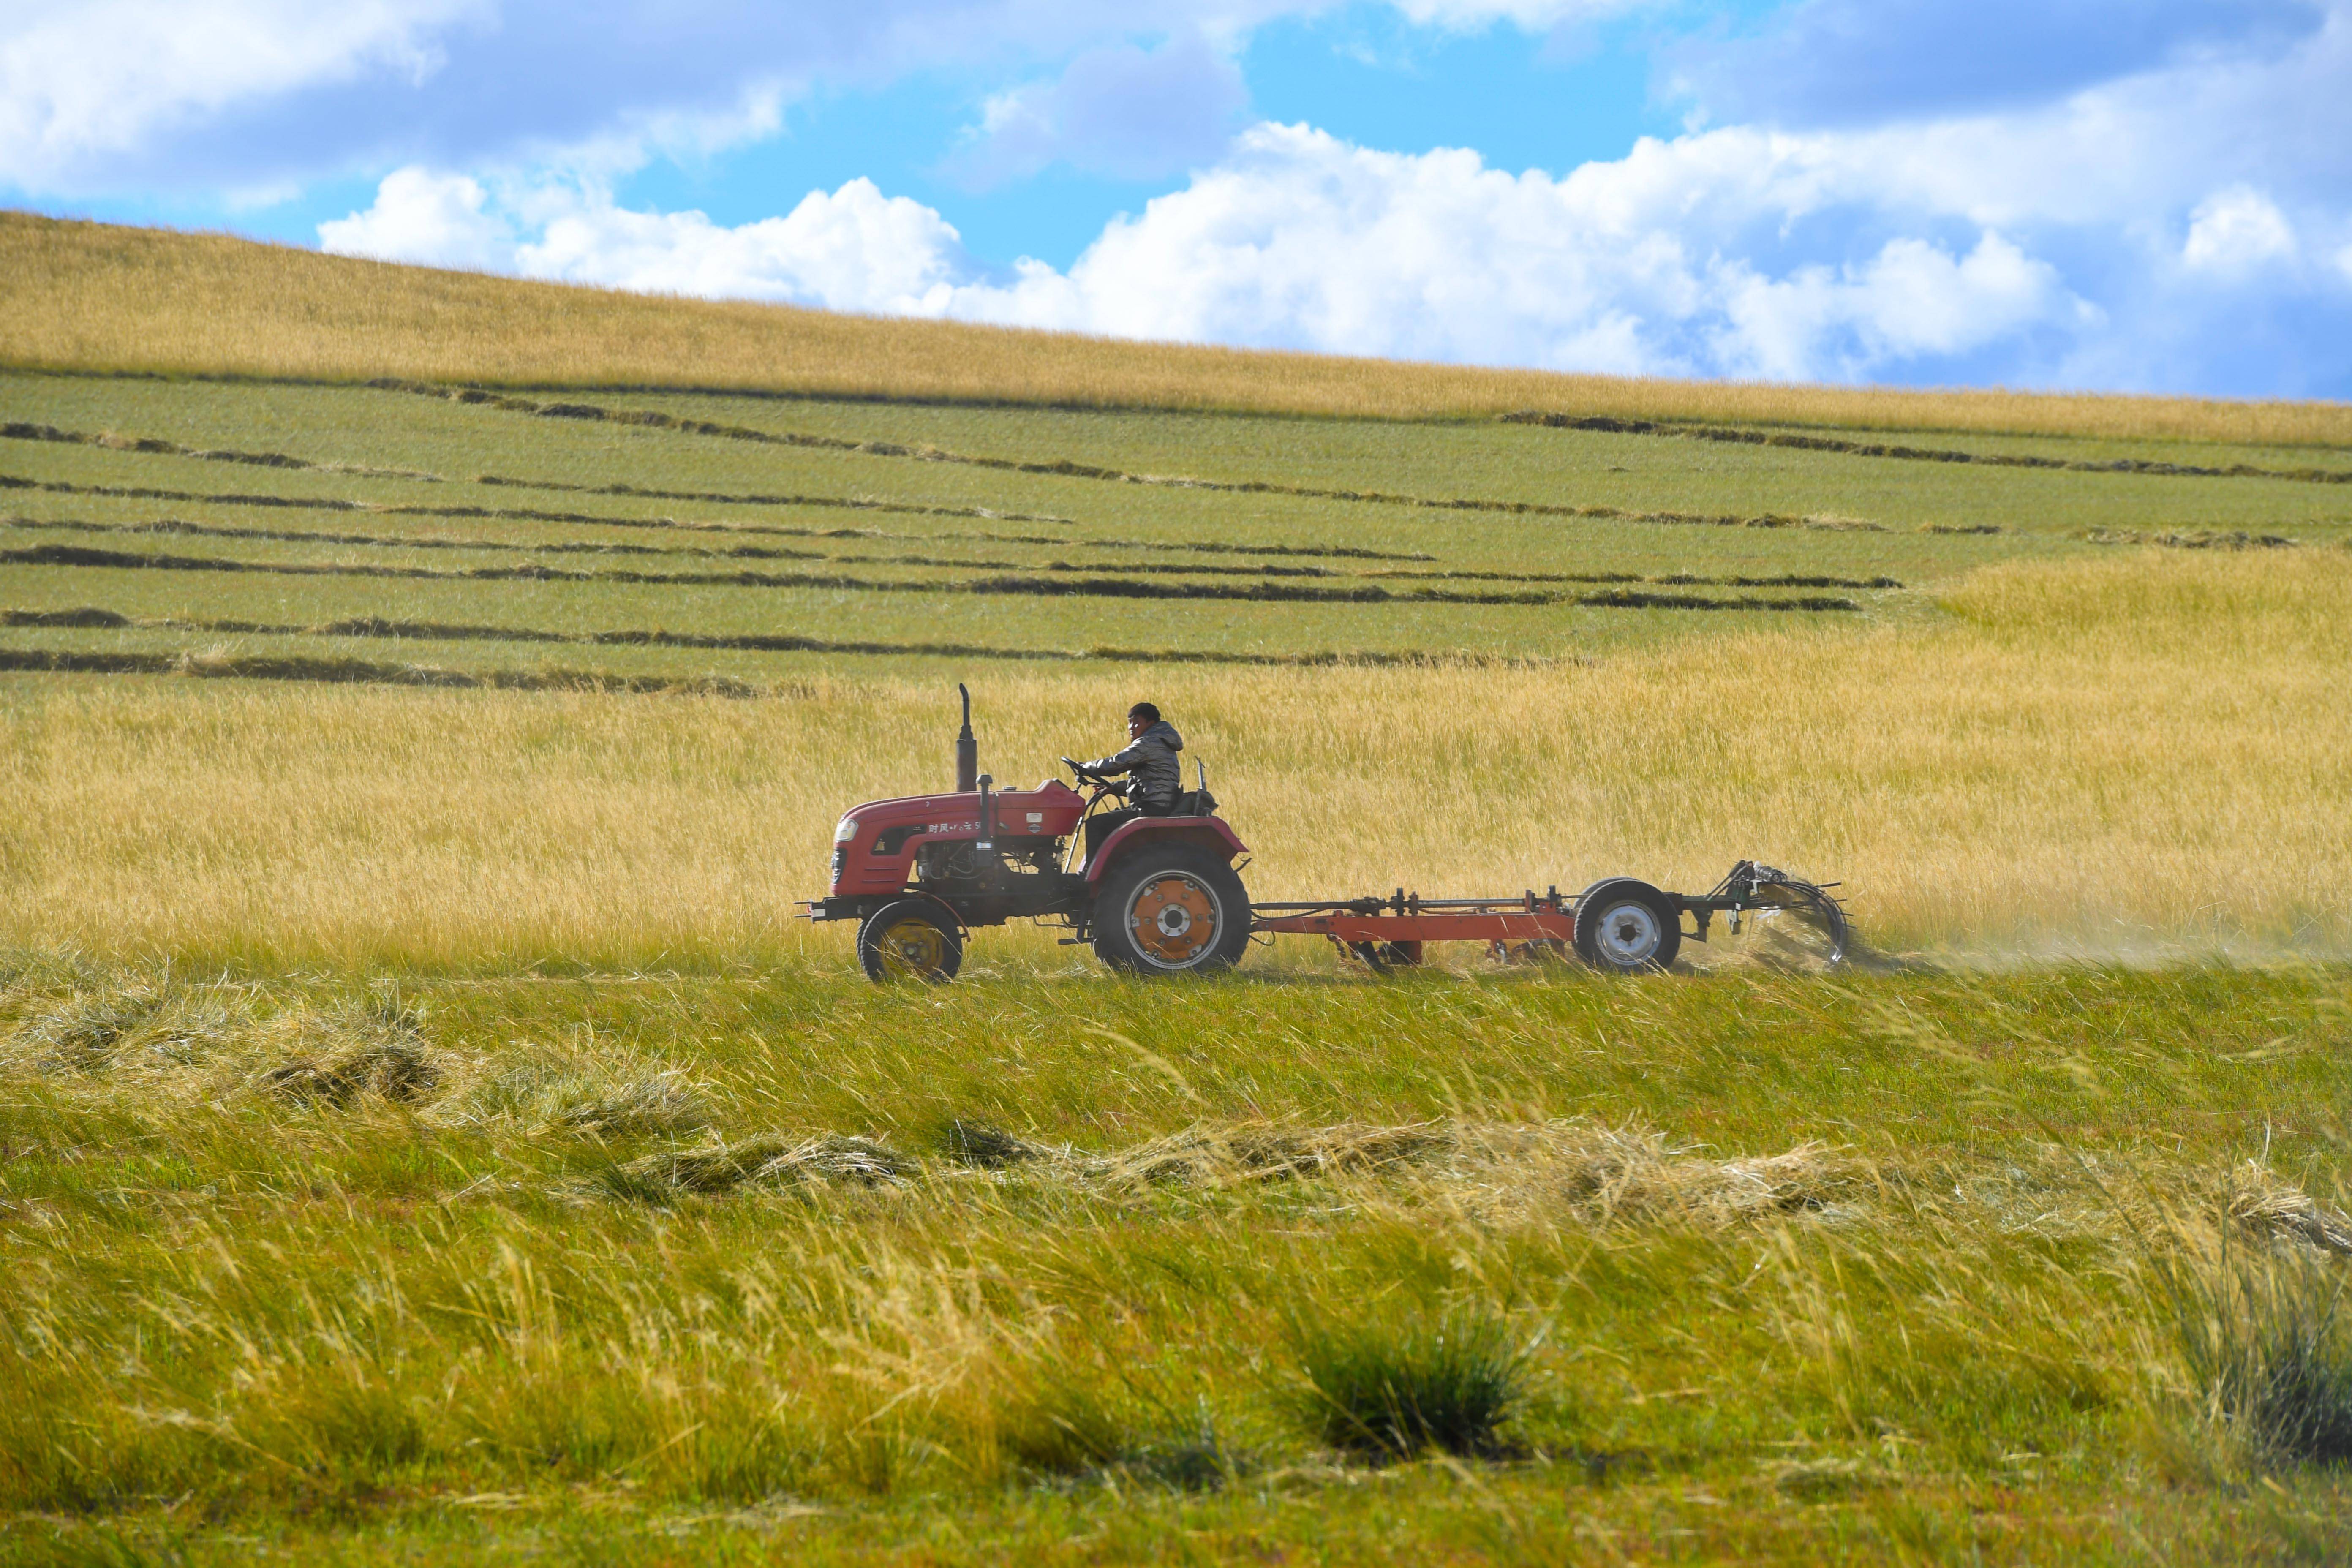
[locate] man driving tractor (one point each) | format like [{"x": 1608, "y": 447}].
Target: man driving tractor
[{"x": 1156, "y": 777}]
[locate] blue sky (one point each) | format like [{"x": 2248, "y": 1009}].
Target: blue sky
[{"x": 2148, "y": 196}]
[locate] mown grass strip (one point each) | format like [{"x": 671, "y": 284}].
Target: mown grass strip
[
  {"x": 599, "y": 520},
  {"x": 20, "y": 430},
  {"x": 182, "y": 527},
  {"x": 91, "y": 618},
  {"x": 156, "y": 445},
  {"x": 1024, "y": 586},
  {"x": 176, "y": 526},
  {"x": 354, "y": 671},
  {"x": 1064, "y": 467},
  {"x": 1603, "y": 423},
  {"x": 521, "y": 514}
]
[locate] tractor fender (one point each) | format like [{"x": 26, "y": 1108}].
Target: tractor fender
[
  {"x": 912, "y": 896},
  {"x": 1209, "y": 832}
]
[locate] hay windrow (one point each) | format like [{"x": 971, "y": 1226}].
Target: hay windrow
[
  {"x": 1808, "y": 443},
  {"x": 377, "y": 1046},
  {"x": 1269, "y": 592},
  {"x": 584, "y": 1087},
  {"x": 773, "y": 1159},
  {"x": 18, "y": 430},
  {"x": 2193, "y": 539},
  {"x": 1065, "y": 467},
  {"x": 110, "y": 1030},
  {"x": 91, "y": 617},
  {"x": 2260, "y": 1200},
  {"x": 1263, "y": 1152}
]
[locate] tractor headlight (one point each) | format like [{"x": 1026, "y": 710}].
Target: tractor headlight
[{"x": 846, "y": 830}]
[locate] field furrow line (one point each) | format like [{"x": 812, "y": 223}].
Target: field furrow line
[
  {"x": 1736, "y": 436},
  {"x": 1064, "y": 467},
  {"x": 1078, "y": 587}
]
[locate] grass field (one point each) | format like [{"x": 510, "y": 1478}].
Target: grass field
[{"x": 426, "y": 1136}]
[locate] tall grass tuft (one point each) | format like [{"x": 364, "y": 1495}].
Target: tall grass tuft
[
  {"x": 1393, "y": 1389},
  {"x": 2266, "y": 1341}
]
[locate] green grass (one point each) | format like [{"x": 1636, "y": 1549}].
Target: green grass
[{"x": 1808, "y": 1270}]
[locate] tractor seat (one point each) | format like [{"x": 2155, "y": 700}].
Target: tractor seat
[{"x": 1195, "y": 802}]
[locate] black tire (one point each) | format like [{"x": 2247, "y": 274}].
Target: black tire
[
  {"x": 911, "y": 939},
  {"x": 1171, "y": 909},
  {"x": 1626, "y": 927}
]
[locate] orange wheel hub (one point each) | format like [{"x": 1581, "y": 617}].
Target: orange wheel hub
[{"x": 1173, "y": 919}]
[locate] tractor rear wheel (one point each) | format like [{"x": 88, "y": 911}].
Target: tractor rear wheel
[
  {"x": 912, "y": 939},
  {"x": 1625, "y": 927},
  {"x": 1171, "y": 909}
]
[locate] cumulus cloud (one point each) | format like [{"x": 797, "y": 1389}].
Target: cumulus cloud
[
  {"x": 1844, "y": 62},
  {"x": 1300, "y": 240},
  {"x": 1120, "y": 110},
  {"x": 854, "y": 249},
  {"x": 437, "y": 219},
  {"x": 88, "y": 82},
  {"x": 226, "y": 94},
  {"x": 2235, "y": 231}
]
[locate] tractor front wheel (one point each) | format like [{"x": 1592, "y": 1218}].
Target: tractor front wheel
[
  {"x": 1625, "y": 927},
  {"x": 912, "y": 939},
  {"x": 1171, "y": 908}
]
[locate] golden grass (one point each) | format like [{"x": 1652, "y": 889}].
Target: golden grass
[
  {"x": 83, "y": 296},
  {"x": 2128, "y": 756}
]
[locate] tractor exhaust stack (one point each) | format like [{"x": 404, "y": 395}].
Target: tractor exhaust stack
[{"x": 967, "y": 748}]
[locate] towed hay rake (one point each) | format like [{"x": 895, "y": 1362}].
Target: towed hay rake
[{"x": 1164, "y": 895}]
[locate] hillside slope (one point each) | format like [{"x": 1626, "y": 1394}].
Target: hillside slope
[{"x": 94, "y": 296}]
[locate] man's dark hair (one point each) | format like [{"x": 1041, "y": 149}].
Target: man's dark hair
[{"x": 1145, "y": 712}]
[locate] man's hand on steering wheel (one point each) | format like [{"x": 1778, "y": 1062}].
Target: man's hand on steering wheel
[{"x": 1079, "y": 768}]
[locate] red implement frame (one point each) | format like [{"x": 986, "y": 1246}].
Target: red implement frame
[{"x": 1398, "y": 926}]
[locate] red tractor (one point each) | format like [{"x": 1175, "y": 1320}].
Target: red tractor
[{"x": 1161, "y": 895}]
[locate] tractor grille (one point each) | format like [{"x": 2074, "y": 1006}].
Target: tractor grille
[{"x": 840, "y": 862}]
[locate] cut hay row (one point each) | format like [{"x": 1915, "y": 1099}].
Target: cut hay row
[
  {"x": 211, "y": 665},
  {"x": 524, "y": 514},
  {"x": 2193, "y": 539},
  {"x": 22, "y": 431},
  {"x": 216, "y": 664},
  {"x": 1064, "y": 467},
  {"x": 180, "y": 527},
  {"x": 1023, "y": 587},
  {"x": 336, "y": 503},
  {"x": 1923, "y": 454},
  {"x": 518, "y": 514}
]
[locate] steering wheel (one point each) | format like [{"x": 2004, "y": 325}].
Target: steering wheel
[{"x": 1079, "y": 768}]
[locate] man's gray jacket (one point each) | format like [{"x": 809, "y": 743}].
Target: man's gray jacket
[{"x": 1159, "y": 777}]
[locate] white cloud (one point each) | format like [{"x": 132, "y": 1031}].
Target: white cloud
[
  {"x": 2236, "y": 231},
  {"x": 1120, "y": 110},
  {"x": 223, "y": 95},
  {"x": 854, "y": 249},
  {"x": 1301, "y": 240},
  {"x": 86, "y": 81},
  {"x": 418, "y": 215},
  {"x": 1912, "y": 299}
]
